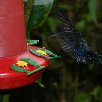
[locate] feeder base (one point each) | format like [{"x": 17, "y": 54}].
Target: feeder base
[{"x": 12, "y": 79}]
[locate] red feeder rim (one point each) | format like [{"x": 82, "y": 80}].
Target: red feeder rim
[{"x": 16, "y": 60}]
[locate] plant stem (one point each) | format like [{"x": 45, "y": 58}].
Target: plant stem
[
  {"x": 27, "y": 14},
  {"x": 5, "y": 98},
  {"x": 1, "y": 97},
  {"x": 28, "y": 10}
]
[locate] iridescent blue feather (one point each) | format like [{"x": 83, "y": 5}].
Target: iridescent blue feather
[{"x": 73, "y": 43}]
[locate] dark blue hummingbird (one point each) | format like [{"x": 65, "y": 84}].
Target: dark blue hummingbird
[{"x": 72, "y": 42}]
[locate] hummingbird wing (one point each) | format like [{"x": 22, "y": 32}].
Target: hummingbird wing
[
  {"x": 70, "y": 39},
  {"x": 73, "y": 43}
]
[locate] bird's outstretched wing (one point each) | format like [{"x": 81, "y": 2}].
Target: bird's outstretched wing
[{"x": 73, "y": 43}]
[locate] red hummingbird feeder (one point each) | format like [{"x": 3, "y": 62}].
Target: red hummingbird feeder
[{"x": 20, "y": 64}]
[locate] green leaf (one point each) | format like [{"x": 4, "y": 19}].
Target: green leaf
[
  {"x": 5, "y": 98},
  {"x": 82, "y": 97},
  {"x": 93, "y": 10},
  {"x": 97, "y": 93},
  {"x": 40, "y": 11},
  {"x": 81, "y": 24},
  {"x": 52, "y": 23},
  {"x": 65, "y": 6},
  {"x": 39, "y": 82}
]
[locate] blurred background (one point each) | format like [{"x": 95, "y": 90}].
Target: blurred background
[{"x": 64, "y": 80}]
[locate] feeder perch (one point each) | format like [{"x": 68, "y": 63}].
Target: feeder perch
[{"x": 20, "y": 64}]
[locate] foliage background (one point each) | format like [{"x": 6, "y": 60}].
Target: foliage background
[{"x": 65, "y": 80}]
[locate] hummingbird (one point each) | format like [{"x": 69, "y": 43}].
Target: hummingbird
[{"x": 73, "y": 43}]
